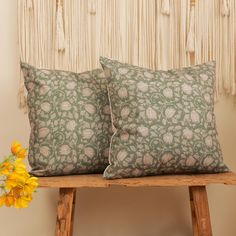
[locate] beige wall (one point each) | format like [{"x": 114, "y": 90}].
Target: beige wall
[{"x": 115, "y": 211}]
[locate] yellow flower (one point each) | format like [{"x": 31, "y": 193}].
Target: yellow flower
[
  {"x": 21, "y": 178},
  {"x": 20, "y": 198},
  {"x": 2, "y": 200},
  {"x": 7, "y": 199},
  {"x": 16, "y": 197},
  {"x": 17, "y": 150},
  {"x": 22, "y": 201},
  {"x": 19, "y": 166},
  {"x": 18, "y": 177},
  {"x": 15, "y": 147},
  {"x": 21, "y": 153},
  {"x": 17, "y": 182},
  {"x": 30, "y": 185},
  {"x": 14, "y": 180},
  {"x": 6, "y": 168}
]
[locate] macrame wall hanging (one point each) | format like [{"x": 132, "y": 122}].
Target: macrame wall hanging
[{"x": 158, "y": 34}]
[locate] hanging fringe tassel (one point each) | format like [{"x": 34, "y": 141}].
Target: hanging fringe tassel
[
  {"x": 224, "y": 7},
  {"x": 165, "y": 7},
  {"x": 190, "y": 46},
  {"x": 22, "y": 97},
  {"x": 29, "y": 4},
  {"x": 92, "y": 7},
  {"x": 121, "y": 34},
  {"x": 60, "y": 27},
  {"x": 25, "y": 10}
]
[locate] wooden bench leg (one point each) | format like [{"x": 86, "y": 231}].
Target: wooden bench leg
[
  {"x": 200, "y": 211},
  {"x": 65, "y": 212}
]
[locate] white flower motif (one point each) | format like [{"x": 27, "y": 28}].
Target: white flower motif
[
  {"x": 124, "y": 136},
  {"x": 148, "y": 75},
  {"x": 43, "y": 89},
  {"x": 65, "y": 106},
  {"x": 190, "y": 161},
  {"x": 168, "y": 92},
  {"x": 68, "y": 168},
  {"x": 45, "y": 151},
  {"x": 188, "y": 77},
  {"x": 123, "y": 71},
  {"x": 90, "y": 108},
  {"x": 121, "y": 155},
  {"x": 64, "y": 150},
  {"x": 166, "y": 157},
  {"x": 195, "y": 117},
  {"x": 89, "y": 152},
  {"x": 144, "y": 131},
  {"x": 43, "y": 132},
  {"x": 204, "y": 77},
  {"x": 85, "y": 76},
  {"x": 106, "y": 110},
  {"x": 143, "y": 87},
  {"x": 87, "y": 92},
  {"x": 139, "y": 161},
  {"x": 151, "y": 113},
  {"x": 207, "y": 97},
  {"x": 71, "y": 85},
  {"x": 168, "y": 138},
  {"x": 122, "y": 93},
  {"x": 87, "y": 133},
  {"x": 187, "y": 89},
  {"x": 147, "y": 159},
  {"x": 208, "y": 161},
  {"x": 70, "y": 126},
  {"x": 125, "y": 112},
  {"x": 46, "y": 106},
  {"x": 169, "y": 112},
  {"x": 30, "y": 86},
  {"x": 188, "y": 134},
  {"x": 136, "y": 172},
  {"x": 209, "y": 117},
  {"x": 208, "y": 141},
  {"x": 47, "y": 72}
]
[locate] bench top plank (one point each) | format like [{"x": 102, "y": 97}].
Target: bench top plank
[{"x": 96, "y": 180}]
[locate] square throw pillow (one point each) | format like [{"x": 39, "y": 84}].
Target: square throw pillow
[
  {"x": 164, "y": 121},
  {"x": 70, "y": 121}
]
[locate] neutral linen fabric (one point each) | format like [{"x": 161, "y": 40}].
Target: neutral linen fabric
[
  {"x": 164, "y": 121},
  {"x": 70, "y": 121},
  {"x": 157, "y": 34}
]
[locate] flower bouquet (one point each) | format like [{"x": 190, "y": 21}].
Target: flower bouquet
[{"x": 16, "y": 184}]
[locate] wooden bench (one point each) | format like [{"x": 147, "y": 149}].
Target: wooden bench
[{"x": 196, "y": 183}]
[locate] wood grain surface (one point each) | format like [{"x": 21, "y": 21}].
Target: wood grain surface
[
  {"x": 78, "y": 181},
  {"x": 201, "y": 220},
  {"x": 65, "y": 211}
]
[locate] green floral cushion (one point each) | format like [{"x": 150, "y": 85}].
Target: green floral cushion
[
  {"x": 163, "y": 121},
  {"x": 70, "y": 120}
]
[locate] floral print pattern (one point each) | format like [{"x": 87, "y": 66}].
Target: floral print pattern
[
  {"x": 164, "y": 121},
  {"x": 70, "y": 122}
]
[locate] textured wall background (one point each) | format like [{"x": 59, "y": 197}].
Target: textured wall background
[{"x": 110, "y": 212}]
